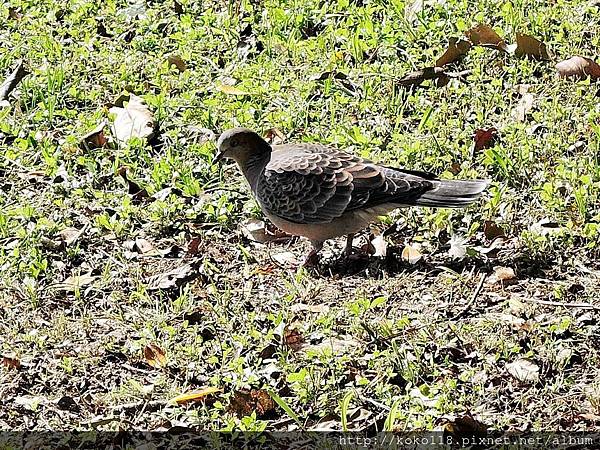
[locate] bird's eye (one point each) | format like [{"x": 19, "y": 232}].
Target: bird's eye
[{"x": 234, "y": 143}]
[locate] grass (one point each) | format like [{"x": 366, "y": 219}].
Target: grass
[{"x": 382, "y": 344}]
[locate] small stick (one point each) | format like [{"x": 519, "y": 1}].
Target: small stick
[
  {"x": 13, "y": 79},
  {"x": 473, "y": 298}
]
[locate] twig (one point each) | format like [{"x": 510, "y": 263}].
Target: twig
[
  {"x": 471, "y": 301},
  {"x": 147, "y": 405},
  {"x": 13, "y": 79},
  {"x": 565, "y": 305}
]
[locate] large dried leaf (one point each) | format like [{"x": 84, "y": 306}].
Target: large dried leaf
[
  {"x": 155, "y": 356},
  {"x": 456, "y": 50},
  {"x": 76, "y": 282},
  {"x": 578, "y": 67},
  {"x": 195, "y": 396},
  {"x": 485, "y": 36},
  {"x": 524, "y": 370},
  {"x": 133, "y": 120},
  {"x": 531, "y": 47}
]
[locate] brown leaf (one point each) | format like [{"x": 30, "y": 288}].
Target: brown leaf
[
  {"x": 193, "y": 247},
  {"x": 134, "y": 120},
  {"x": 578, "y": 67},
  {"x": 175, "y": 60},
  {"x": 133, "y": 188},
  {"x": 531, "y": 47},
  {"x": 485, "y": 138},
  {"x": 524, "y": 370},
  {"x": 293, "y": 338},
  {"x": 155, "y": 356},
  {"x": 274, "y": 136},
  {"x": 485, "y": 36},
  {"x": 491, "y": 230},
  {"x": 466, "y": 427},
  {"x": 245, "y": 402},
  {"x": 70, "y": 235},
  {"x": 457, "y": 48},
  {"x": 195, "y": 396},
  {"x": 95, "y": 138},
  {"x": 411, "y": 254},
  {"x": 418, "y": 76},
  {"x": 258, "y": 231},
  {"x": 10, "y": 363}
]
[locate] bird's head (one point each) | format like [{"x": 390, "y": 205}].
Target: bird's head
[{"x": 241, "y": 145}]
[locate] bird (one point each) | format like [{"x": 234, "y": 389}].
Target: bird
[{"x": 320, "y": 192}]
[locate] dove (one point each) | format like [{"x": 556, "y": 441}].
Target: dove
[{"x": 320, "y": 192}]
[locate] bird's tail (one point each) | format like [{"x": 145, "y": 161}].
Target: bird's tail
[{"x": 453, "y": 193}]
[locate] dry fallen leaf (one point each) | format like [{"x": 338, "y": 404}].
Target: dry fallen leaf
[
  {"x": 134, "y": 120},
  {"x": 293, "y": 338},
  {"x": 95, "y": 138},
  {"x": 456, "y": 49},
  {"x": 578, "y": 67},
  {"x": 458, "y": 247},
  {"x": 155, "y": 356},
  {"x": 70, "y": 235},
  {"x": 175, "y": 60},
  {"x": 231, "y": 90},
  {"x": 411, "y": 254},
  {"x": 485, "y": 36},
  {"x": 174, "y": 278},
  {"x": 504, "y": 275},
  {"x": 484, "y": 138},
  {"x": 10, "y": 362},
  {"x": 524, "y": 370},
  {"x": 195, "y": 396},
  {"x": 245, "y": 402},
  {"x": 466, "y": 427},
  {"x": 418, "y": 76},
  {"x": 524, "y": 106},
  {"x": 286, "y": 259},
  {"x": 491, "y": 230},
  {"x": 75, "y": 282},
  {"x": 146, "y": 248},
  {"x": 274, "y": 136},
  {"x": 380, "y": 246},
  {"x": 530, "y": 46}
]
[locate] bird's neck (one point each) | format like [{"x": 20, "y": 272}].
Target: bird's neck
[{"x": 253, "y": 167}]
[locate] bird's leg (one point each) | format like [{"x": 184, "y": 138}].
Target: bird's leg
[
  {"x": 312, "y": 258},
  {"x": 349, "y": 241}
]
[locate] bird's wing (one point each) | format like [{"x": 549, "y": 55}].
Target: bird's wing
[{"x": 312, "y": 183}]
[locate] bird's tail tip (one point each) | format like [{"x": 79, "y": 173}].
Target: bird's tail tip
[{"x": 453, "y": 193}]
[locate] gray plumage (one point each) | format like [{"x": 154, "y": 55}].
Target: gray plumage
[{"x": 320, "y": 192}]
